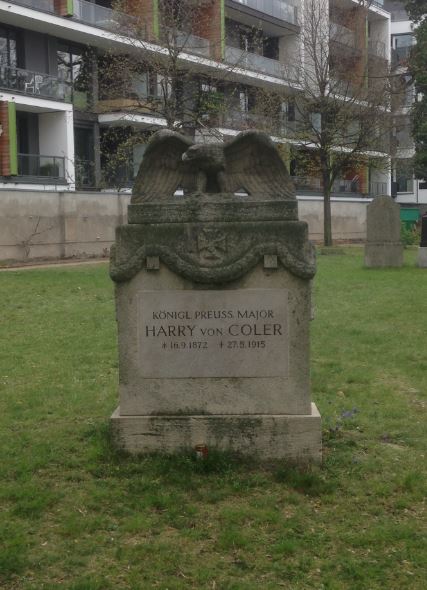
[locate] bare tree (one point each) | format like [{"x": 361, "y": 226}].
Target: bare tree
[
  {"x": 161, "y": 70},
  {"x": 342, "y": 108}
]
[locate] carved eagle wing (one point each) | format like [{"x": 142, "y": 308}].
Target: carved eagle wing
[
  {"x": 252, "y": 162},
  {"x": 162, "y": 171}
]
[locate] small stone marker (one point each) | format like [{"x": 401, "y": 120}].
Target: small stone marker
[
  {"x": 422, "y": 250},
  {"x": 213, "y": 303},
  {"x": 383, "y": 246}
]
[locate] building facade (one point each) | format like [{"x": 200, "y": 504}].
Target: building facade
[
  {"x": 65, "y": 113},
  {"x": 409, "y": 191}
]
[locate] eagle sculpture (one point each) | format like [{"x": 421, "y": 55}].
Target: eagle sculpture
[{"x": 250, "y": 162}]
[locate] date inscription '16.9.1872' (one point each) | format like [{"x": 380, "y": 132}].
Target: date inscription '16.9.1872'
[{"x": 230, "y": 333}]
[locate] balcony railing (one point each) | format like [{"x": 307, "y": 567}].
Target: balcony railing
[
  {"x": 45, "y": 5},
  {"x": 41, "y": 167},
  {"x": 85, "y": 173},
  {"x": 259, "y": 63},
  {"x": 310, "y": 183},
  {"x": 34, "y": 83},
  {"x": 237, "y": 119},
  {"x": 345, "y": 186},
  {"x": 277, "y": 8},
  {"x": 377, "y": 188},
  {"x": 315, "y": 184},
  {"x": 100, "y": 16},
  {"x": 190, "y": 43}
]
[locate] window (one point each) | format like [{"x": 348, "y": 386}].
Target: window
[
  {"x": 404, "y": 176},
  {"x": 401, "y": 45},
  {"x": 73, "y": 66},
  {"x": 8, "y": 50}
]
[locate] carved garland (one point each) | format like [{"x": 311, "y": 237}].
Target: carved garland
[{"x": 124, "y": 271}]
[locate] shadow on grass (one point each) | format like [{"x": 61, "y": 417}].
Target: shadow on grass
[
  {"x": 106, "y": 456},
  {"x": 179, "y": 469}
]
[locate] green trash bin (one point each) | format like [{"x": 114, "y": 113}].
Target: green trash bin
[{"x": 409, "y": 216}]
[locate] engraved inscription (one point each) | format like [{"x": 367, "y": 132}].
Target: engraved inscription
[{"x": 232, "y": 333}]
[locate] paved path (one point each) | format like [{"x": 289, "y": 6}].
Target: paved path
[{"x": 53, "y": 264}]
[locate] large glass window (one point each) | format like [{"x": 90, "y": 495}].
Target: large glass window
[
  {"x": 74, "y": 68},
  {"x": 8, "y": 50},
  {"x": 401, "y": 45},
  {"x": 404, "y": 176}
]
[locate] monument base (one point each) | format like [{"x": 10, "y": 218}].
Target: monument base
[
  {"x": 292, "y": 437},
  {"x": 422, "y": 257},
  {"x": 383, "y": 254}
]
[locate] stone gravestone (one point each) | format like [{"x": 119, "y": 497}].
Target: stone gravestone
[
  {"x": 212, "y": 277},
  {"x": 422, "y": 250},
  {"x": 383, "y": 246}
]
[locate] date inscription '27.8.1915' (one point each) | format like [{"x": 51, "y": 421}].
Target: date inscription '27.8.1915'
[{"x": 230, "y": 333}]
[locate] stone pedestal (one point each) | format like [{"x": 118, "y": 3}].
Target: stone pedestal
[
  {"x": 213, "y": 297},
  {"x": 422, "y": 257},
  {"x": 292, "y": 437},
  {"x": 383, "y": 246}
]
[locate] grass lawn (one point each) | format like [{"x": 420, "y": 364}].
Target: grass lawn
[{"x": 79, "y": 516}]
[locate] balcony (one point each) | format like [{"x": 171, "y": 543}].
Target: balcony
[
  {"x": 189, "y": 43},
  {"x": 43, "y": 168},
  {"x": 275, "y": 8},
  {"x": 100, "y": 16},
  {"x": 346, "y": 186},
  {"x": 314, "y": 184},
  {"x": 34, "y": 83},
  {"x": 259, "y": 63},
  {"x": 378, "y": 188},
  {"x": 307, "y": 183},
  {"x": 237, "y": 119},
  {"x": 44, "y": 5},
  {"x": 85, "y": 173}
]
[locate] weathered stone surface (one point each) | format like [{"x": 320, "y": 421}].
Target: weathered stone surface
[
  {"x": 383, "y": 247},
  {"x": 282, "y": 394},
  {"x": 212, "y": 252},
  {"x": 248, "y": 162},
  {"x": 383, "y": 255},
  {"x": 207, "y": 333},
  {"x": 239, "y": 380},
  {"x": 297, "y": 437}
]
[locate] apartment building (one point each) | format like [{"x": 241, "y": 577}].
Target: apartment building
[
  {"x": 409, "y": 190},
  {"x": 60, "y": 123}
]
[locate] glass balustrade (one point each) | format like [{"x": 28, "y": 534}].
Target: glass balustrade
[
  {"x": 277, "y": 8},
  {"x": 237, "y": 119},
  {"x": 45, "y": 5},
  {"x": 100, "y": 16},
  {"x": 377, "y": 188},
  {"x": 35, "y": 83},
  {"x": 36, "y": 165},
  {"x": 191, "y": 43},
  {"x": 259, "y": 63}
]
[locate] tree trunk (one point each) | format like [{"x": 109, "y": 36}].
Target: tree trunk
[{"x": 327, "y": 217}]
